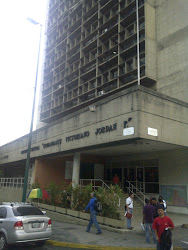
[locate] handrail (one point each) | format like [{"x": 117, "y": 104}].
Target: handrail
[
  {"x": 104, "y": 185},
  {"x": 132, "y": 187},
  {"x": 16, "y": 182}
]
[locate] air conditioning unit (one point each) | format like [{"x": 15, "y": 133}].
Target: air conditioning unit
[
  {"x": 92, "y": 108},
  {"x": 102, "y": 92}
]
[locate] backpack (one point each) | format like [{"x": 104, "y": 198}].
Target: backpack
[
  {"x": 166, "y": 237},
  {"x": 98, "y": 206}
]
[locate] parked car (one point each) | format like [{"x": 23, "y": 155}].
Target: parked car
[{"x": 22, "y": 223}]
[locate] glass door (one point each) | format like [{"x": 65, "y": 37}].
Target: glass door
[
  {"x": 131, "y": 177},
  {"x": 140, "y": 182},
  {"x": 151, "y": 180}
]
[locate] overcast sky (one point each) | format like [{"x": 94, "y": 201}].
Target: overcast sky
[{"x": 18, "y": 58}]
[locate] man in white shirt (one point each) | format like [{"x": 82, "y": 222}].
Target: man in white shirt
[{"x": 129, "y": 208}]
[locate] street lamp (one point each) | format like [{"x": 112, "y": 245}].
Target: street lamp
[{"x": 32, "y": 118}]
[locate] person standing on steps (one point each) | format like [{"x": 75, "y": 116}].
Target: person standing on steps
[
  {"x": 129, "y": 209},
  {"x": 93, "y": 214}
]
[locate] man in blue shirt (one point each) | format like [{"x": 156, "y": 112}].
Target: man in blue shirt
[{"x": 93, "y": 213}]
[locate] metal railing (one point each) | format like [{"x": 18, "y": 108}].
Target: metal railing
[
  {"x": 133, "y": 189},
  {"x": 12, "y": 182},
  {"x": 96, "y": 183}
]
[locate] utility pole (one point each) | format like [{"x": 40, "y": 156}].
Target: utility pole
[{"x": 32, "y": 118}]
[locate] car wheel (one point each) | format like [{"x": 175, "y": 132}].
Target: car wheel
[
  {"x": 40, "y": 243},
  {"x": 3, "y": 242}
]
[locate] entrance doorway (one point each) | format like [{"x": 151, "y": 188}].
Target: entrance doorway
[
  {"x": 145, "y": 179},
  {"x": 143, "y": 174},
  {"x": 140, "y": 182}
]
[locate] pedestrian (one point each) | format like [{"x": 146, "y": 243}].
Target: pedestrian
[
  {"x": 162, "y": 226},
  {"x": 93, "y": 214},
  {"x": 129, "y": 209},
  {"x": 155, "y": 206},
  {"x": 148, "y": 218},
  {"x": 163, "y": 202},
  {"x": 116, "y": 179}
]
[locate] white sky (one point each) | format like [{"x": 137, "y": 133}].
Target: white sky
[{"x": 19, "y": 41}]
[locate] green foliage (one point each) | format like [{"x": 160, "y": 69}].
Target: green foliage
[
  {"x": 109, "y": 199},
  {"x": 35, "y": 185},
  {"x": 54, "y": 191},
  {"x": 64, "y": 195},
  {"x": 81, "y": 197}
]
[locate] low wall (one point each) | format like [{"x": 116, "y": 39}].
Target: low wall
[
  {"x": 178, "y": 210},
  {"x": 10, "y": 194},
  {"x": 68, "y": 215}
]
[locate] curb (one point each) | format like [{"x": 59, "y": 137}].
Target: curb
[
  {"x": 74, "y": 220},
  {"x": 77, "y": 245}
]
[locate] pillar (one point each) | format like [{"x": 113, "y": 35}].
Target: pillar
[{"x": 76, "y": 170}]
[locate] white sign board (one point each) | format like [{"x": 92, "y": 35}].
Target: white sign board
[
  {"x": 68, "y": 170},
  {"x": 152, "y": 131},
  {"x": 128, "y": 131}
]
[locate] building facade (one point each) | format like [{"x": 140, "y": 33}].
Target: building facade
[{"x": 113, "y": 100}]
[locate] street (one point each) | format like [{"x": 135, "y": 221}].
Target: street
[
  {"x": 74, "y": 236},
  {"x": 46, "y": 247}
]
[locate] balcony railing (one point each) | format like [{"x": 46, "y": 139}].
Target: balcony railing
[{"x": 13, "y": 182}]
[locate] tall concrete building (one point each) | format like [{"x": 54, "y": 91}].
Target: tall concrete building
[{"x": 114, "y": 99}]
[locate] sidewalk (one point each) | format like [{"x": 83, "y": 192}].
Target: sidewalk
[{"x": 75, "y": 236}]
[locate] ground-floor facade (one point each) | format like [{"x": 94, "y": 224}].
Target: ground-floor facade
[{"x": 139, "y": 135}]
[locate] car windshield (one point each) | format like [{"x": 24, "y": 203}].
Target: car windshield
[{"x": 23, "y": 211}]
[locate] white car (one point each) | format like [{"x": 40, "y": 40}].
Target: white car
[{"x": 21, "y": 223}]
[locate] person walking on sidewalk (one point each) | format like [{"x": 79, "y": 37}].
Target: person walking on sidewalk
[
  {"x": 93, "y": 213},
  {"x": 148, "y": 217},
  {"x": 163, "y": 226},
  {"x": 129, "y": 209}
]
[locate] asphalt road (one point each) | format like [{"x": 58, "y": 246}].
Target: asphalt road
[
  {"x": 74, "y": 236},
  {"x": 46, "y": 247}
]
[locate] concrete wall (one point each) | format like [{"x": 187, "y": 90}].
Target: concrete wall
[
  {"x": 160, "y": 113},
  {"x": 150, "y": 35},
  {"x": 176, "y": 174},
  {"x": 146, "y": 108},
  {"x": 11, "y": 194},
  {"x": 178, "y": 162},
  {"x": 172, "y": 44},
  {"x": 50, "y": 170}
]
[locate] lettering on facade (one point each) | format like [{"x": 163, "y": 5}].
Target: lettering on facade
[
  {"x": 32, "y": 149},
  {"x": 77, "y": 136},
  {"x": 4, "y": 157},
  {"x": 53, "y": 143},
  {"x": 106, "y": 129}
]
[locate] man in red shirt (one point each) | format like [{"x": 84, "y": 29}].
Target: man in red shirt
[
  {"x": 161, "y": 224},
  {"x": 116, "y": 179}
]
